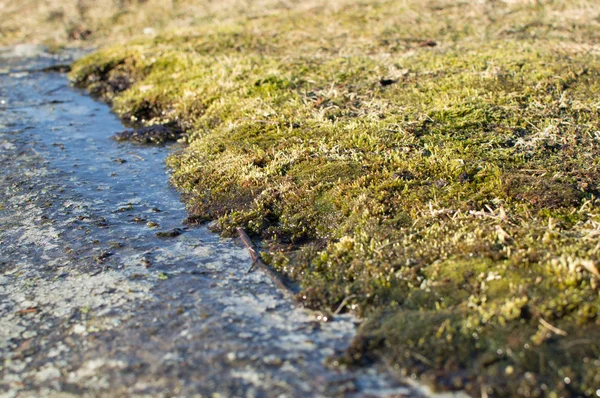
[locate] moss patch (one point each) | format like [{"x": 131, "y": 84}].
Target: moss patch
[{"x": 433, "y": 165}]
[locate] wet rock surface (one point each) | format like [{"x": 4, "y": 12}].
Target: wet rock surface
[
  {"x": 155, "y": 134},
  {"x": 93, "y": 301}
]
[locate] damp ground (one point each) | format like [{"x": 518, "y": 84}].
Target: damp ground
[{"x": 99, "y": 297}]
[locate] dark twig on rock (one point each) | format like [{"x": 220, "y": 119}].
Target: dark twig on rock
[
  {"x": 250, "y": 246},
  {"x": 256, "y": 260}
]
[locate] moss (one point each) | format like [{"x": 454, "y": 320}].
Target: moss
[{"x": 439, "y": 178}]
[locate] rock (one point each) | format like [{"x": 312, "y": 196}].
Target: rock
[
  {"x": 155, "y": 134},
  {"x": 171, "y": 233}
]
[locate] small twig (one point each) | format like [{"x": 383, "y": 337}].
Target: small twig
[
  {"x": 421, "y": 358},
  {"x": 553, "y": 329},
  {"x": 250, "y": 246},
  {"x": 54, "y": 90},
  {"x": 258, "y": 261},
  {"x": 343, "y": 304},
  {"x": 578, "y": 342},
  {"x": 137, "y": 156},
  {"x": 30, "y": 310}
]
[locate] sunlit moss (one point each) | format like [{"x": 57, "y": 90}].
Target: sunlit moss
[{"x": 446, "y": 190}]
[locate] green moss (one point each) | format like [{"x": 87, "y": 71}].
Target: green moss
[{"x": 448, "y": 193}]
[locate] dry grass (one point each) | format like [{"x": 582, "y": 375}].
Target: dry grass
[{"x": 91, "y": 22}]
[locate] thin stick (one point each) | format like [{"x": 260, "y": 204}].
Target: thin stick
[
  {"x": 249, "y": 245},
  {"x": 343, "y": 304},
  {"x": 137, "y": 156},
  {"x": 554, "y": 329},
  {"x": 421, "y": 358},
  {"x": 257, "y": 261}
]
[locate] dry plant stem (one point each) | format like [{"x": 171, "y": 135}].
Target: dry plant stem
[
  {"x": 552, "y": 328},
  {"x": 343, "y": 304},
  {"x": 257, "y": 261},
  {"x": 250, "y": 246}
]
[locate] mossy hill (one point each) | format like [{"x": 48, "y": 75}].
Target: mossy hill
[{"x": 432, "y": 165}]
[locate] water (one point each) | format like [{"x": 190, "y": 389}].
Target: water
[{"x": 92, "y": 302}]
